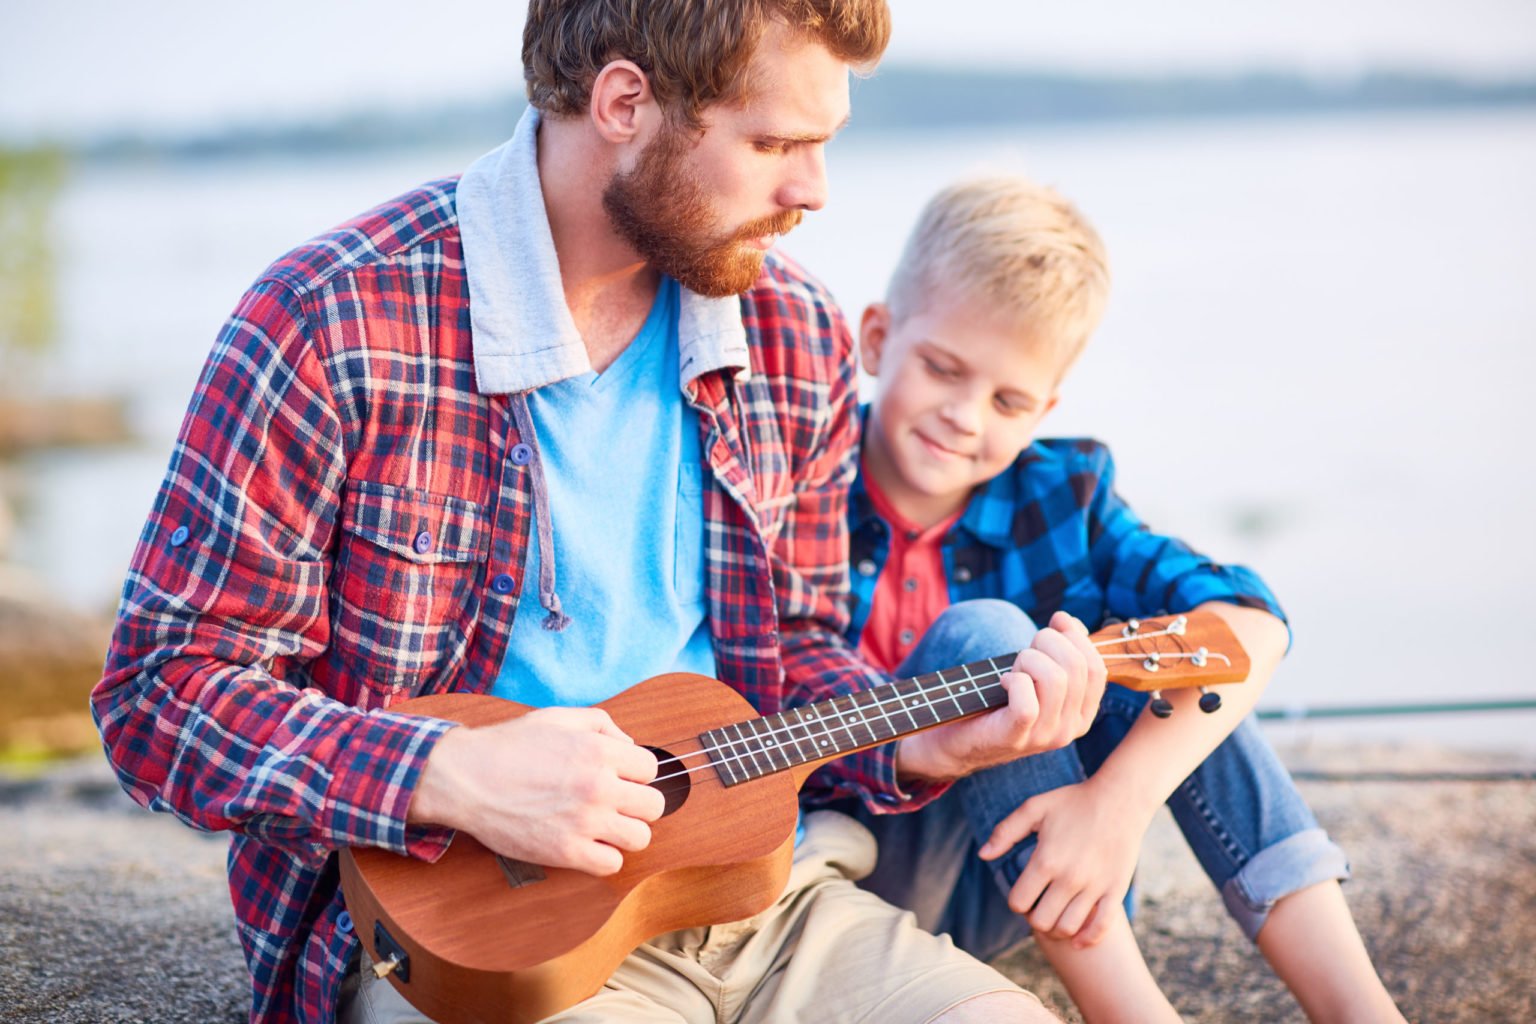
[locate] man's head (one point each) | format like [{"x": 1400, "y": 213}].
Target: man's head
[
  {"x": 716, "y": 112},
  {"x": 994, "y": 297}
]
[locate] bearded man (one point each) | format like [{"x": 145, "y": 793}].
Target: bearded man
[{"x": 541, "y": 432}]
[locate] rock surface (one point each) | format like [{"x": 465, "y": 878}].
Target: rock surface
[{"x": 111, "y": 914}]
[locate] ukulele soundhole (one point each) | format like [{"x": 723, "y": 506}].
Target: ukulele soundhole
[{"x": 671, "y": 779}]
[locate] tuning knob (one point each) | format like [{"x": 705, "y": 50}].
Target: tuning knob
[
  {"x": 1209, "y": 700},
  {"x": 1161, "y": 706}
]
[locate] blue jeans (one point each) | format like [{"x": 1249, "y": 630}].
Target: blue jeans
[{"x": 1239, "y": 810}]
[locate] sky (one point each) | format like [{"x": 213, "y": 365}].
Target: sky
[{"x": 86, "y": 67}]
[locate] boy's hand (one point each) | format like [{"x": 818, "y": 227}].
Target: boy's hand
[
  {"x": 1053, "y": 695},
  {"x": 561, "y": 787},
  {"x": 1089, "y": 838}
]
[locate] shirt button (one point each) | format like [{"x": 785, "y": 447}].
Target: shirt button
[
  {"x": 522, "y": 454},
  {"x": 868, "y": 567},
  {"x": 503, "y": 584},
  {"x": 962, "y": 574},
  {"x": 423, "y": 542},
  {"x": 911, "y": 535},
  {"x": 909, "y": 584},
  {"x": 179, "y": 536},
  {"x": 907, "y": 637},
  {"x": 344, "y": 922}
]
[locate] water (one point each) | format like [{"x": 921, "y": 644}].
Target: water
[{"x": 1316, "y": 359}]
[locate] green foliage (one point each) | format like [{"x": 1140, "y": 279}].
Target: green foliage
[{"x": 30, "y": 181}]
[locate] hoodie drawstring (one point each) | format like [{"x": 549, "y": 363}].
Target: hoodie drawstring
[{"x": 557, "y": 620}]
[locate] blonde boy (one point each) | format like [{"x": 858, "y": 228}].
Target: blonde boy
[{"x": 997, "y": 292}]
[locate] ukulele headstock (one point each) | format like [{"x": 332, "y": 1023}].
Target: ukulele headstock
[{"x": 1171, "y": 652}]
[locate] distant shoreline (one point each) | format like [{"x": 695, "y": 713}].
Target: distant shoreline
[{"x": 895, "y": 99}]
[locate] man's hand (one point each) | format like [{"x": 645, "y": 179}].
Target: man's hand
[
  {"x": 1053, "y": 695},
  {"x": 1089, "y": 838},
  {"x": 561, "y": 787}
]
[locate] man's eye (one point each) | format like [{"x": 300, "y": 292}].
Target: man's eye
[{"x": 765, "y": 146}]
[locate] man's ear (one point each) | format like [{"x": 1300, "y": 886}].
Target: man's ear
[
  {"x": 622, "y": 102},
  {"x": 874, "y": 329}
]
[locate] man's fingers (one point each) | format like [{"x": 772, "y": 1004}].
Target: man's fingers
[
  {"x": 1049, "y": 687},
  {"x": 598, "y": 859},
  {"x": 633, "y": 762},
  {"x": 625, "y": 833},
  {"x": 1074, "y": 630},
  {"x": 636, "y": 800}
]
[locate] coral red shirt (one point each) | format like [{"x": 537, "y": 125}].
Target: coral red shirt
[{"x": 912, "y": 590}]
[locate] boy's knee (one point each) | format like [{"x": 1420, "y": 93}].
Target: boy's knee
[{"x": 983, "y": 628}]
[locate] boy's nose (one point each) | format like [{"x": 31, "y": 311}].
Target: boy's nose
[{"x": 963, "y": 415}]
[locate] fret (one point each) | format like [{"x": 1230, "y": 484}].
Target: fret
[
  {"x": 919, "y": 705},
  {"x": 825, "y": 743},
  {"x": 775, "y": 740},
  {"x": 876, "y": 721},
  {"x": 714, "y": 741},
  {"x": 768, "y": 743},
  {"x": 952, "y": 690},
  {"x": 753, "y": 766},
  {"x": 848, "y": 716},
  {"x": 748, "y": 750}
]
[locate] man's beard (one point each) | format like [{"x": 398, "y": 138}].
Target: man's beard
[{"x": 663, "y": 211}]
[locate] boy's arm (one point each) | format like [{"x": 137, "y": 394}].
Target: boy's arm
[{"x": 1142, "y": 574}]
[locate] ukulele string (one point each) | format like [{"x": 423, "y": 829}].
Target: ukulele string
[
  {"x": 879, "y": 704},
  {"x": 735, "y": 758}
]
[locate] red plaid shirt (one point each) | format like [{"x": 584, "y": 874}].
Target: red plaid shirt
[{"x": 336, "y": 533}]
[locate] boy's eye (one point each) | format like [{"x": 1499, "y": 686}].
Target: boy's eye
[
  {"x": 1011, "y": 406},
  {"x": 941, "y": 371}
]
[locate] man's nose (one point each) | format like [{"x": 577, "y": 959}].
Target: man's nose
[{"x": 806, "y": 187}]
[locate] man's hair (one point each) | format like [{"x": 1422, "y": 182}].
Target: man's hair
[
  {"x": 695, "y": 52},
  {"x": 1017, "y": 250}
]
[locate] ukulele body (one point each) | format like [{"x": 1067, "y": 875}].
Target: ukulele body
[{"x": 487, "y": 941}]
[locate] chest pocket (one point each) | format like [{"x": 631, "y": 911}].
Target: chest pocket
[{"x": 406, "y": 575}]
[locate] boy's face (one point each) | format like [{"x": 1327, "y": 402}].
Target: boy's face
[
  {"x": 707, "y": 208},
  {"x": 957, "y": 397}
]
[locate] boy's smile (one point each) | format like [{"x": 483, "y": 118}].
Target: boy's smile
[{"x": 958, "y": 395}]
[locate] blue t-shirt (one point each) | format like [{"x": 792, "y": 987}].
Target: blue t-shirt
[{"x": 625, "y": 483}]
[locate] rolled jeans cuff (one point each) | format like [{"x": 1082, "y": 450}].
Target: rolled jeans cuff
[{"x": 1291, "y": 865}]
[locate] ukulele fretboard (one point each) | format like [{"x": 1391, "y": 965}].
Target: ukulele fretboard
[{"x": 748, "y": 750}]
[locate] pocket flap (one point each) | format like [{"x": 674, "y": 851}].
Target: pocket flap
[{"x": 419, "y": 526}]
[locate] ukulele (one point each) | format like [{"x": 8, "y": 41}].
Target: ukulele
[{"x": 478, "y": 938}]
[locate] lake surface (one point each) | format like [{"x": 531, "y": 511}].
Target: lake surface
[{"x": 1317, "y": 360}]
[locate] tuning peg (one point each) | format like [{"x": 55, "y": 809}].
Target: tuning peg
[
  {"x": 1161, "y": 706},
  {"x": 1209, "y": 700}
]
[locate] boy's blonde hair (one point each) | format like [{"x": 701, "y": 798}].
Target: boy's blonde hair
[{"x": 1014, "y": 247}]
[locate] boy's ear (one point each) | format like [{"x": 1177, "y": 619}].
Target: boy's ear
[{"x": 874, "y": 329}]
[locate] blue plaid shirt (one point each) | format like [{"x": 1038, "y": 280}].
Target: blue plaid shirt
[{"x": 1051, "y": 533}]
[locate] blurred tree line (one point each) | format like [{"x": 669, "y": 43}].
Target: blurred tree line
[{"x": 30, "y": 181}]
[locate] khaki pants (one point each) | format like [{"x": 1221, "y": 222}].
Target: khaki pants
[{"x": 826, "y": 951}]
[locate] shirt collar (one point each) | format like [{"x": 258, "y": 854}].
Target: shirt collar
[
  {"x": 522, "y": 330},
  {"x": 989, "y": 515}
]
